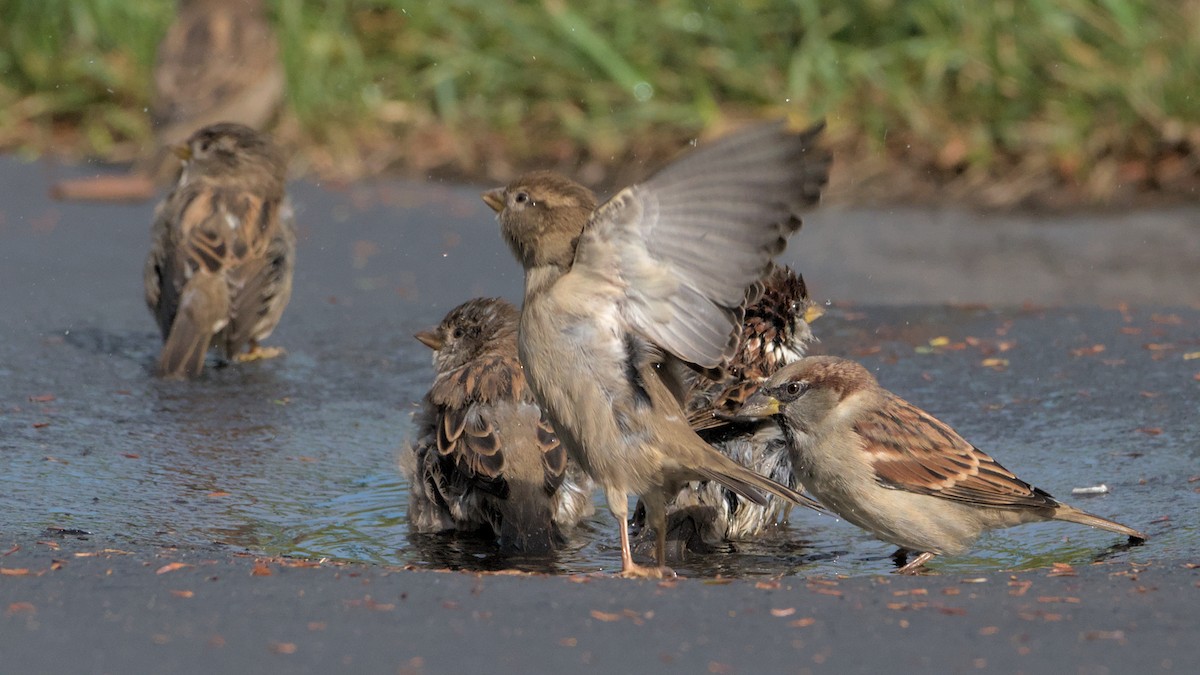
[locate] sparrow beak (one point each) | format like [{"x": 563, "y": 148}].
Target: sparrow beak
[
  {"x": 813, "y": 313},
  {"x": 758, "y": 405},
  {"x": 430, "y": 339},
  {"x": 182, "y": 151},
  {"x": 495, "y": 199}
]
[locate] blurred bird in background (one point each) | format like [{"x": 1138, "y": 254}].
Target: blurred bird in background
[{"x": 218, "y": 62}]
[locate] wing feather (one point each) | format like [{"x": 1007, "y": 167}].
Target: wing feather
[{"x": 688, "y": 243}]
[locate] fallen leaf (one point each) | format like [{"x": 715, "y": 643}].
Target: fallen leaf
[
  {"x": 171, "y": 567},
  {"x": 42, "y": 398},
  {"x": 1062, "y": 570},
  {"x": 940, "y": 341},
  {"x": 1088, "y": 351},
  {"x": 14, "y": 571},
  {"x": 802, "y": 623},
  {"x": 767, "y": 585},
  {"x": 20, "y": 608},
  {"x": 568, "y": 641},
  {"x": 783, "y": 611},
  {"x": 131, "y": 455},
  {"x": 1019, "y": 587},
  {"x": 182, "y": 594},
  {"x": 605, "y": 616},
  {"x": 217, "y": 493},
  {"x": 1058, "y": 598},
  {"x": 261, "y": 569},
  {"x": 283, "y": 647},
  {"x": 1191, "y": 356},
  {"x": 914, "y": 591},
  {"x": 1149, "y": 431},
  {"x": 989, "y": 630},
  {"x": 994, "y": 364}
]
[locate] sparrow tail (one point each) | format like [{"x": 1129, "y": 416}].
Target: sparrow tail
[
  {"x": 526, "y": 521},
  {"x": 745, "y": 482},
  {"x": 203, "y": 310},
  {"x": 1074, "y": 515}
]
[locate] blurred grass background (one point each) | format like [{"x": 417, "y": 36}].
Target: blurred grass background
[{"x": 994, "y": 103}]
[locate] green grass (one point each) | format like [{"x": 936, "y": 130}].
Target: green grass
[{"x": 1078, "y": 94}]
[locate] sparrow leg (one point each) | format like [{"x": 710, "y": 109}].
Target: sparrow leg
[
  {"x": 656, "y": 517},
  {"x": 256, "y": 352},
  {"x": 917, "y": 563},
  {"x": 619, "y": 506}
]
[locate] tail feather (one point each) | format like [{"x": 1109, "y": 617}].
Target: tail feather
[
  {"x": 1074, "y": 515},
  {"x": 527, "y": 520},
  {"x": 203, "y": 311},
  {"x": 745, "y": 482}
]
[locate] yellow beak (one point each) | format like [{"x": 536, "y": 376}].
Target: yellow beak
[
  {"x": 812, "y": 313},
  {"x": 495, "y": 199},
  {"x": 759, "y": 405}
]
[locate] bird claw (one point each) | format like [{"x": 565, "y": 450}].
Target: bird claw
[
  {"x": 258, "y": 353},
  {"x": 633, "y": 571}
]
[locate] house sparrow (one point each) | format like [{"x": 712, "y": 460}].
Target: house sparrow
[
  {"x": 619, "y": 297},
  {"x": 486, "y": 457},
  {"x": 220, "y": 266},
  {"x": 893, "y": 469},
  {"x": 218, "y": 62},
  {"x": 776, "y": 331}
]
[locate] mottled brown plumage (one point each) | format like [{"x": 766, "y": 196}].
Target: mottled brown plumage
[
  {"x": 619, "y": 296},
  {"x": 486, "y": 458},
  {"x": 775, "y": 331},
  {"x": 219, "y": 271},
  {"x": 893, "y": 469}
]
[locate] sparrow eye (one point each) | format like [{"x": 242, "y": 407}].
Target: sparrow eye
[
  {"x": 458, "y": 333},
  {"x": 521, "y": 197},
  {"x": 793, "y": 390}
]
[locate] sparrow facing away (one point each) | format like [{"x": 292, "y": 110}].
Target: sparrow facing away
[
  {"x": 219, "y": 272},
  {"x": 486, "y": 458},
  {"x": 776, "y": 331},
  {"x": 619, "y": 297},
  {"x": 893, "y": 469}
]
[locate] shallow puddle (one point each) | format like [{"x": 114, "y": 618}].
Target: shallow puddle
[{"x": 297, "y": 456}]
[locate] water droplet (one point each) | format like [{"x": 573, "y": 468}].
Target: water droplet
[{"x": 643, "y": 92}]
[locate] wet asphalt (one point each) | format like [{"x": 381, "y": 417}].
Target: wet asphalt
[{"x": 1067, "y": 346}]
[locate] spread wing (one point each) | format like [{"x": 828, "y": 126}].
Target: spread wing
[
  {"x": 688, "y": 243},
  {"x": 913, "y": 451}
]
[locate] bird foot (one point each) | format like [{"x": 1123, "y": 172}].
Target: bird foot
[
  {"x": 917, "y": 565},
  {"x": 634, "y": 571},
  {"x": 258, "y": 353}
]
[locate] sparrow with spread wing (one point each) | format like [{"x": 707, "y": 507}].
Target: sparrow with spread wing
[
  {"x": 893, "y": 469},
  {"x": 620, "y": 297},
  {"x": 486, "y": 458},
  {"x": 219, "y": 272}
]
